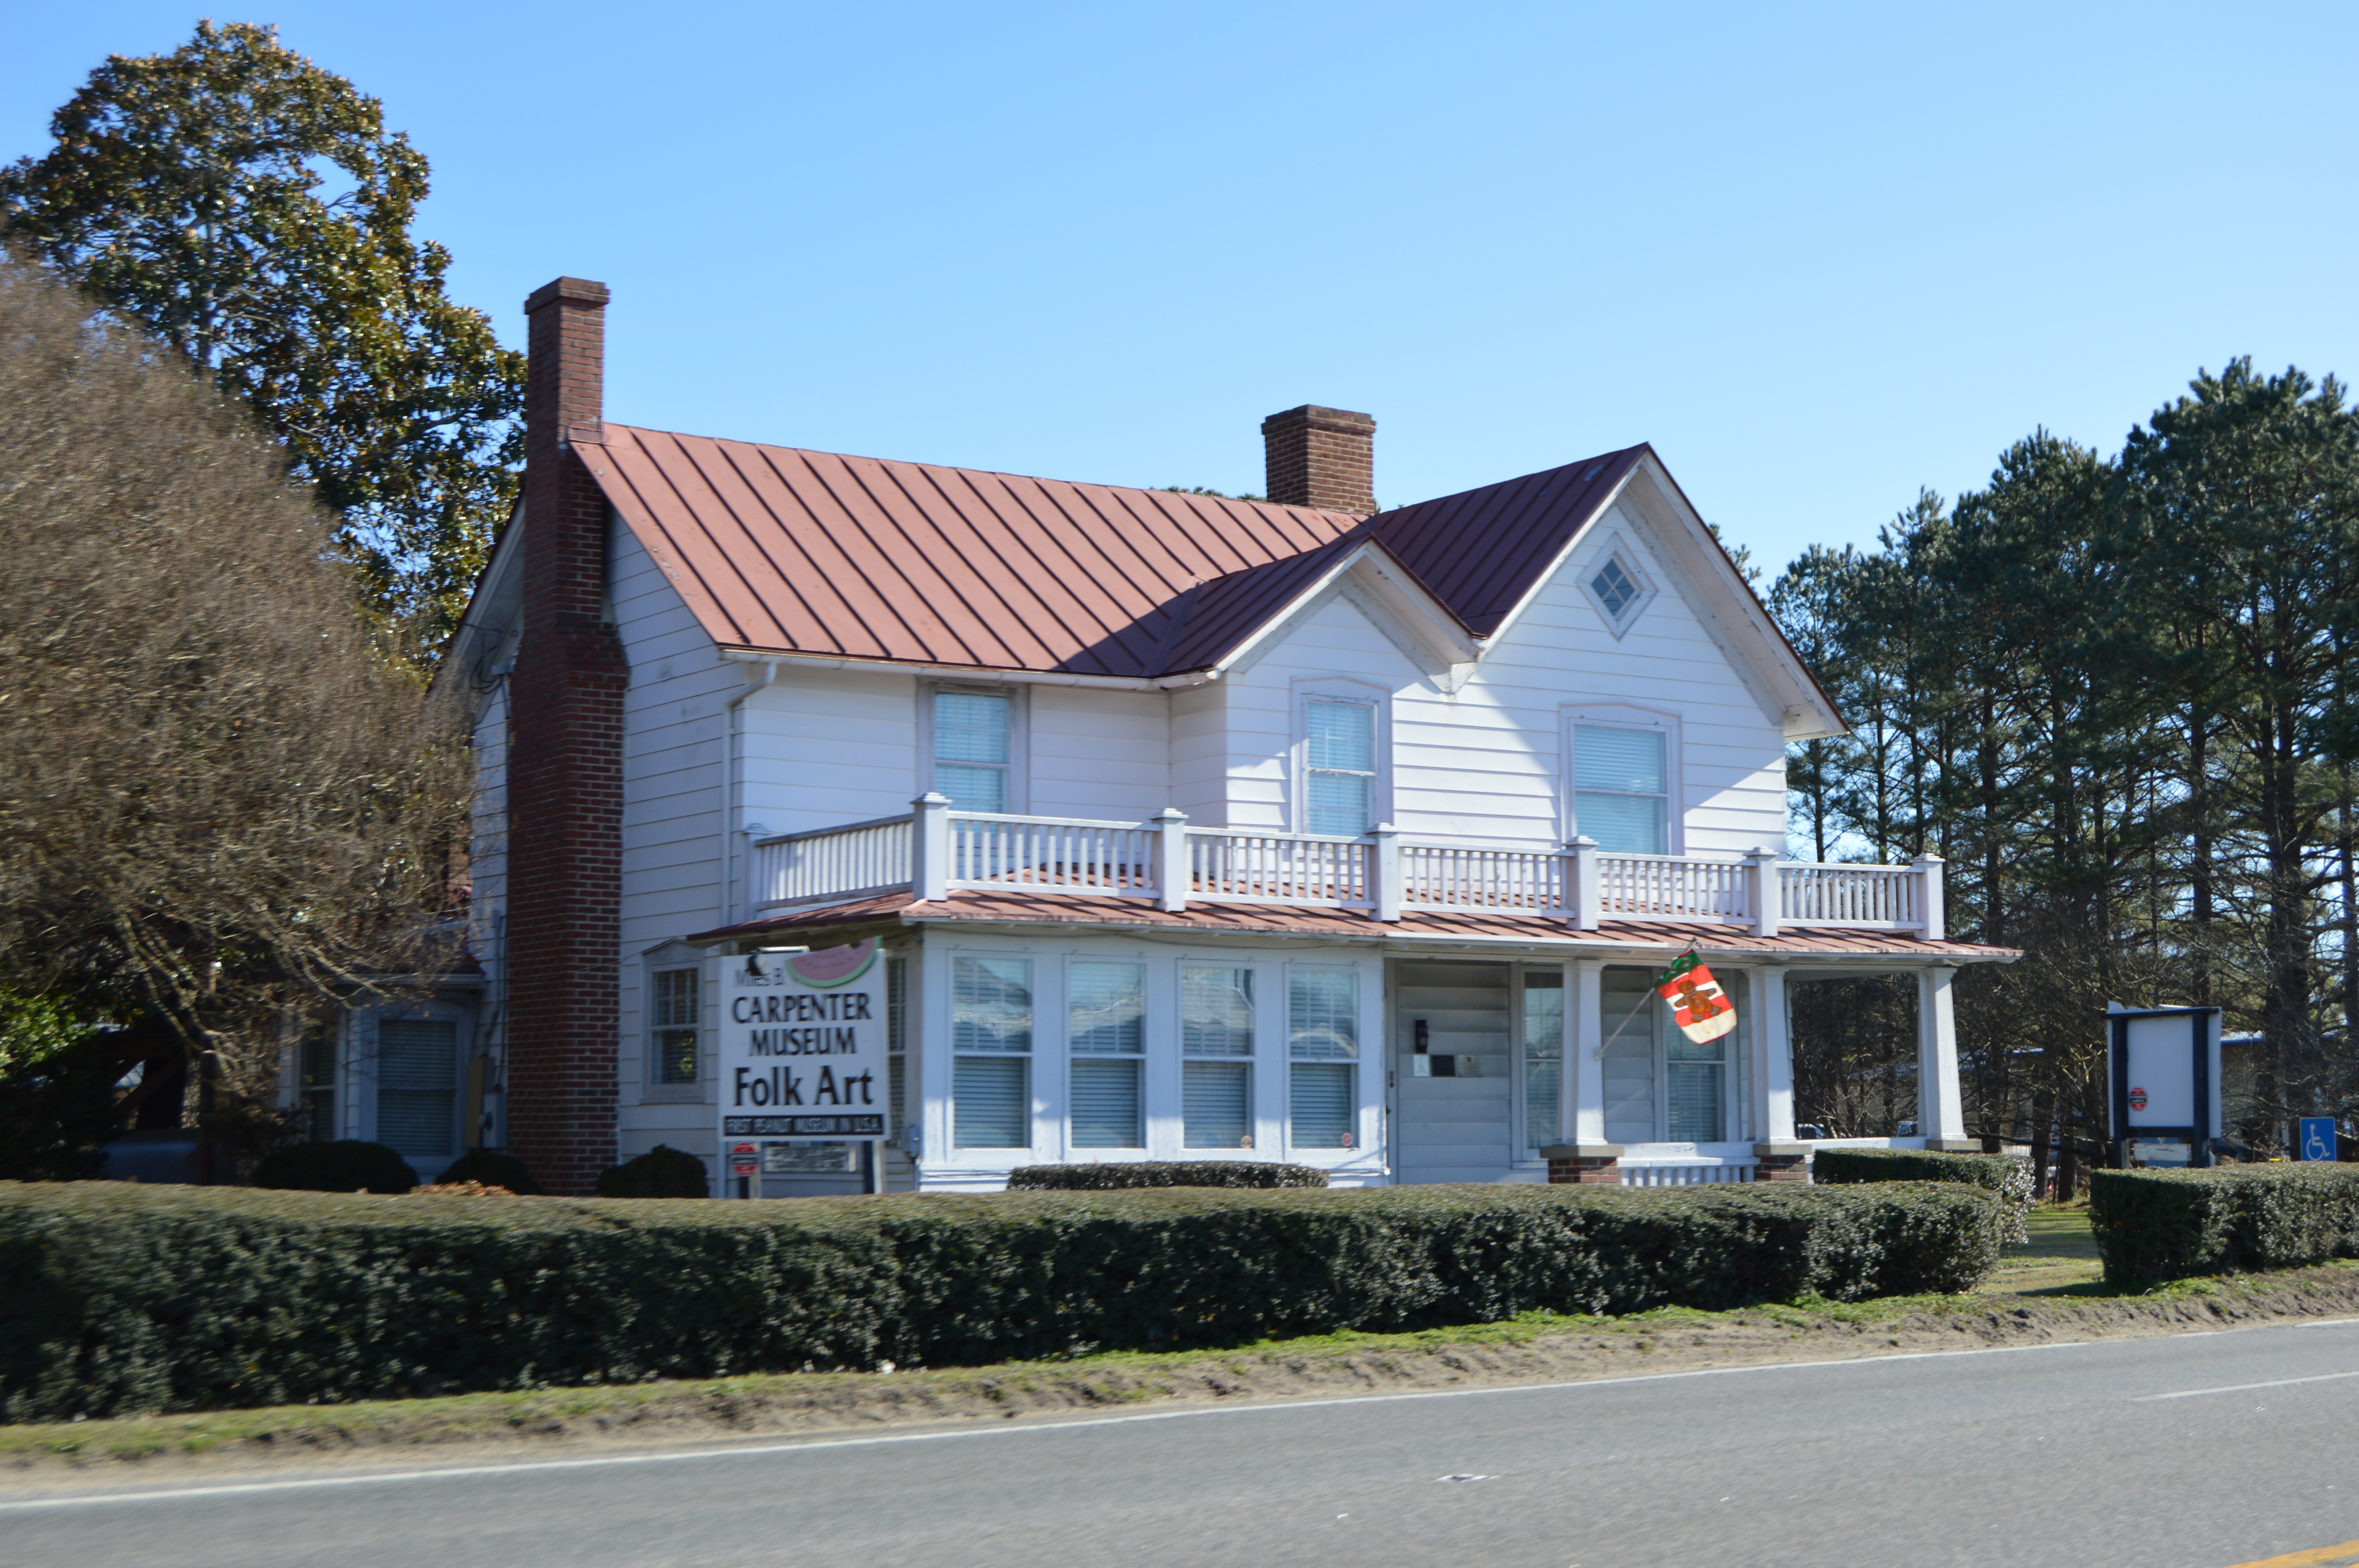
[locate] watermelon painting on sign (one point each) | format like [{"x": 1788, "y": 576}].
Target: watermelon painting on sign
[{"x": 1699, "y": 1006}]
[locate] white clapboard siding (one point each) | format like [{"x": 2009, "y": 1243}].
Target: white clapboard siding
[
  {"x": 1453, "y": 1130},
  {"x": 820, "y": 748},
  {"x": 1099, "y": 753}
]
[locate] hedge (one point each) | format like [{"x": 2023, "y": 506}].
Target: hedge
[
  {"x": 2166, "y": 1225},
  {"x": 663, "y": 1172},
  {"x": 1115, "y": 1174},
  {"x": 125, "y": 1297},
  {"x": 2004, "y": 1174}
]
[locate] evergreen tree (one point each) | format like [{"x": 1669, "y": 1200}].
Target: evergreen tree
[{"x": 247, "y": 206}]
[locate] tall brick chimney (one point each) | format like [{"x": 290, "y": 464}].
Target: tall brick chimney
[
  {"x": 1318, "y": 457},
  {"x": 565, "y": 767}
]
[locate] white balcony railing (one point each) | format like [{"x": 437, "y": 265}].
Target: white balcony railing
[{"x": 936, "y": 849}]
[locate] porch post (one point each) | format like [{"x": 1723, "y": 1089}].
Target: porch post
[
  {"x": 1584, "y": 1078},
  {"x": 930, "y": 847},
  {"x": 1929, "y": 897},
  {"x": 1385, "y": 870},
  {"x": 1940, "y": 1111},
  {"x": 1761, "y": 874},
  {"x": 1773, "y": 1059},
  {"x": 1172, "y": 873},
  {"x": 1587, "y": 1160},
  {"x": 1582, "y": 898}
]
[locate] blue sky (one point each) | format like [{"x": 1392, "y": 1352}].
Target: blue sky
[{"x": 1820, "y": 256}]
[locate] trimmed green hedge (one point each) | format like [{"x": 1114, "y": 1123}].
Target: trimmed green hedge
[
  {"x": 1114, "y": 1176},
  {"x": 2167, "y": 1225},
  {"x": 2008, "y": 1176},
  {"x": 124, "y": 1298}
]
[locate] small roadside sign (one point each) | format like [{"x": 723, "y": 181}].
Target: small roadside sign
[
  {"x": 2318, "y": 1138},
  {"x": 2138, "y": 1099},
  {"x": 745, "y": 1159}
]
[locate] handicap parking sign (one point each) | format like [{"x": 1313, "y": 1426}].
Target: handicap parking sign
[{"x": 2318, "y": 1138}]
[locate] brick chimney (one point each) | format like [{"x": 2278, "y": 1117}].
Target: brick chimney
[
  {"x": 1318, "y": 457},
  {"x": 565, "y": 767}
]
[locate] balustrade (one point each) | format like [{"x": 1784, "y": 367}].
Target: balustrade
[{"x": 937, "y": 848}]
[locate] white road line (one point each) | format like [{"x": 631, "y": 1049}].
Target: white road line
[
  {"x": 522, "y": 1466},
  {"x": 2243, "y": 1387}
]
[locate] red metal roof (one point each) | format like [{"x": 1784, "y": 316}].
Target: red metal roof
[
  {"x": 779, "y": 549},
  {"x": 1254, "y": 919}
]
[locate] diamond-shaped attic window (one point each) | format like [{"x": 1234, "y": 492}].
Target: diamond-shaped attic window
[{"x": 1615, "y": 589}]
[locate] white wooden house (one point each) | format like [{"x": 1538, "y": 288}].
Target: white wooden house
[{"x": 1194, "y": 828}]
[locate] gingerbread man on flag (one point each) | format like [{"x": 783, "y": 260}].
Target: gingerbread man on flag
[{"x": 1699, "y": 1006}]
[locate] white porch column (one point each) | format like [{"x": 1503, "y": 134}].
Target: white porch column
[
  {"x": 1584, "y": 1077},
  {"x": 1940, "y": 1111},
  {"x": 1773, "y": 1059}
]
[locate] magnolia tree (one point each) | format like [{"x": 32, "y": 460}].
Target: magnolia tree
[{"x": 218, "y": 803}]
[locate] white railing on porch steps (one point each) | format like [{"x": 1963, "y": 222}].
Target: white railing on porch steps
[
  {"x": 1685, "y": 1175},
  {"x": 937, "y": 848}
]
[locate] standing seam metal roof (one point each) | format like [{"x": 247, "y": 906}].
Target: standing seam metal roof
[{"x": 820, "y": 554}]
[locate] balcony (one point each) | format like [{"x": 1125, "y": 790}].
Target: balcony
[{"x": 1165, "y": 862}]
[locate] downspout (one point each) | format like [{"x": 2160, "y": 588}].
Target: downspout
[{"x": 728, "y": 781}]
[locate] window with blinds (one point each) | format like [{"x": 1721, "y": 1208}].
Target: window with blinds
[
  {"x": 671, "y": 1023},
  {"x": 1106, "y": 1029},
  {"x": 992, "y": 1102},
  {"x": 1621, "y": 793},
  {"x": 973, "y": 750},
  {"x": 1698, "y": 1071},
  {"x": 1323, "y": 1033},
  {"x": 1216, "y": 1011},
  {"x": 1216, "y": 1105},
  {"x": 1543, "y": 1057},
  {"x": 1340, "y": 766},
  {"x": 897, "y": 1046},
  {"x": 418, "y": 1086},
  {"x": 990, "y": 1030},
  {"x": 1321, "y": 1105}
]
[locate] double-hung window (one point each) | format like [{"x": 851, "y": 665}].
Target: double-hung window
[
  {"x": 1698, "y": 1100},
  {"x": 671, "y": 1024},
  {"x": 1543, "y": 1026},
  {"x": 1621, "y": 788},
  {"x": 974, "y": 750},
  {"x": 418, "y": 1086},
  {"x": 1322, "y": 1032},
  {"x": 897, "y": 1051},
  {"x": 1339, "y": 767},
  {"x": 991, "y": 1042},
  {"x": 1108, "y": 1031},
  {"x": 1216, "y": 1044}
]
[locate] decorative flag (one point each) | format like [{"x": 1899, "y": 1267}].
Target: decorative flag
[{"x": 1699, "y": 1006}]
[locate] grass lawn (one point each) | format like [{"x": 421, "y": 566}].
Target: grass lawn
[{"x": 2060, "y": 1259}]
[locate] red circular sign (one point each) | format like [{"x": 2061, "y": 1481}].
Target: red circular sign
[
  {"x": 744, "y": 1160},
  {"x": 2138, "y": 1099}
]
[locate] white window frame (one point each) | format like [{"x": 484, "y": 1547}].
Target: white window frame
[
  {"x": 1335, "y": 688},
  {"x": 1019, "y": 735},
  {"x": 1367, "y": 1065},
  {"x": 1625, "y": 716},
  {"x": 1042, "y": 1056},
  {"x": 361, "y": 1075},
  {"x": 671, "y": 956},
  {"x": 1615, "y": 547},
  {"x": 1068, "y": 1055}
]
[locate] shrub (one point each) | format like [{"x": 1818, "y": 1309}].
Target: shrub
[
  {"x": 2167, "y": 1225},
  {"x": 347, "y": 1165},
  {"x": 2004, "y": 1174},
  {"x": 125, "y": 1297},
  {"x": 1117, "y": 1175},
  {"x": 663, "y": 1172},
  {"x": 493, "y": 1168}
]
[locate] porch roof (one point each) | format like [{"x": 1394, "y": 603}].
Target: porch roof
[{"x": 965, "y": 906}]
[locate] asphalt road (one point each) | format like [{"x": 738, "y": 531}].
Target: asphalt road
[{"x": 2195, "y": 1451}]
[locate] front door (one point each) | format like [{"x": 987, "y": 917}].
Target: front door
[{"x": 1452, "y": 1114}]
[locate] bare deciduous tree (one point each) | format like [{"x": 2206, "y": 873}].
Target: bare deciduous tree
[{"x": 218, "y": 797}]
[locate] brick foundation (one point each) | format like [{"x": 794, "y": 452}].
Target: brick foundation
[
  {"x": 1584, "y": 1164},
  {"x": 1781, "y": 1163},
  {"x": 565, "y": 769}
]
